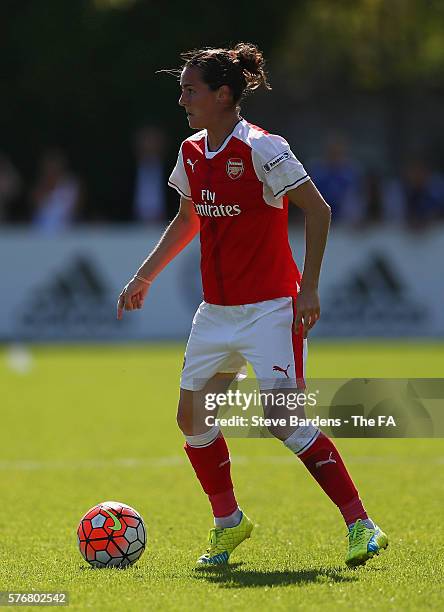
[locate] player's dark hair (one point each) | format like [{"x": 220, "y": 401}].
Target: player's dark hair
[{"x": 241, "y": 68}]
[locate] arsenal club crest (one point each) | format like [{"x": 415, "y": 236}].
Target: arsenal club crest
[{"x": 235, "y": 168}]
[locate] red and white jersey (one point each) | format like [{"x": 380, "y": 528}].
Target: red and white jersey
[{"x": 239, "y": 192}]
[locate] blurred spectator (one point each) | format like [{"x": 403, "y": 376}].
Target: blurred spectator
[
  {"x": 10, "y": 187},
  {"x": 383, "y": 202},
  {"x": 56, "y": 196},
  {"x": 149, "y": 200},
  {"x": 424, "y": 193},
  {"x": 417, "y": 197},
  {"x": 372, "y": 194},
  {"x": 337, "y": 179},
  {"x": 394, "y": 209}
]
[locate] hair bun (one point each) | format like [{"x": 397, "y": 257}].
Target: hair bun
[
  {"x": 252, "y": 63},
  {"x": 249, "y": 57}
]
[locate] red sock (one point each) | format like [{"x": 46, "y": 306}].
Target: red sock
[
  {"x": 323, "y": 461},
  {"x": 212, "y": 466}
]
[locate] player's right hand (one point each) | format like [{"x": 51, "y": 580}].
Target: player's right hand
[
  {"x": 308, "y": 310},
  {"x": 132, "y": 296}
]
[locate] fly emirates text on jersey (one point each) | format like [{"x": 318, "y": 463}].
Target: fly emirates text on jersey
[{"x": 209, "y": 208}]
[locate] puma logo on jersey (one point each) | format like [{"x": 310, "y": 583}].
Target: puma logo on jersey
[
  {"x": 276, "y": 161},
  {"x": 192, "y": 164},
  {"x": 279, "y": 369},
  {"x": 330, "y": 459}
]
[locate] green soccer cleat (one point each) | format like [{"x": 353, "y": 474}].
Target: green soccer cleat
[
  {"x": 222, "y": 542},
  {"x": 364, "y": 543}
]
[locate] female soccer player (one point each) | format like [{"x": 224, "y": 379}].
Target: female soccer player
[{"x": 235, "y": 180}]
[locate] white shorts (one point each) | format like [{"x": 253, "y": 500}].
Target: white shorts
[{"x": 224, "y": 338}]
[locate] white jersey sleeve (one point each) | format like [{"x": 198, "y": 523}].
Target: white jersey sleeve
[
  {"x": 178, "y": 179},
  {"x": 277, "y": 168}
]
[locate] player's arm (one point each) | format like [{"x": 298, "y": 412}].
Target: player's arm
[
  {"x": 317, "y": 222},
  {"x": 178, "y": 234}
]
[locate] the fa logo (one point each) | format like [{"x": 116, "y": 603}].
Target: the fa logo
[{"x": 235, "y": 168}]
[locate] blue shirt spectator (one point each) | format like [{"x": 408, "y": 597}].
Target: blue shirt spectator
[{"x": 337, "y": 178}]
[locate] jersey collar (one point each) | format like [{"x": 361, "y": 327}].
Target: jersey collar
[{"x": 210, "y": 154}]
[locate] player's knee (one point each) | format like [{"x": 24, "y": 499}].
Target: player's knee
[
  {"x": 185, "y": 423},
  {"x": 184, "y": 419},
  {"x": 185, "y": 412},
  {"x": 281, "y": 433}
]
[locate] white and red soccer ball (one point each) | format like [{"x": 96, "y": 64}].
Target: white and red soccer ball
[{"x": 111, "y": 535}]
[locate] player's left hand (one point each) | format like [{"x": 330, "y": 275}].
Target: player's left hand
[{"x": 308, "y": 310}]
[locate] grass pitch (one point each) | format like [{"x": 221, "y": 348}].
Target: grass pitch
[{"x": 84, "y": 424}]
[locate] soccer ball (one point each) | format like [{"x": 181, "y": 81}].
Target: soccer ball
[{"x": 111, "y": 535}]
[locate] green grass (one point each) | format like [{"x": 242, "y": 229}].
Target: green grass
[{"x": 71, "y": 425}]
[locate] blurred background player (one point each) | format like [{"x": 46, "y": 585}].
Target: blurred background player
[
  {"x": 338, "y": 179},
  {"x": 56, "y": 198},
  {"x": 235, "y": 181},
  {"x": 149, "y": 200}
]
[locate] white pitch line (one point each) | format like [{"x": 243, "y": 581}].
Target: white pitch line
[
  {"x": 33, "y": 465},
  {"x": 30, "y": 465}
]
